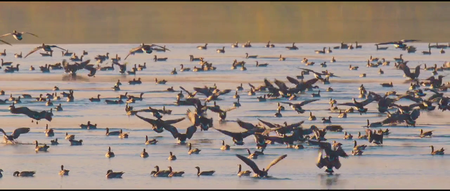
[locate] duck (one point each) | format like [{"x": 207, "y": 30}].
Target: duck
[
  {"x": 109, "y": 154},
  {"x": 175, "y": 173},
  {"x": 49, "y": 132},
  {"x": 161, "y": 81},
  {"x": 54, "y": 142},
  {"x": 144, "y": 154},
  {"x": 426, "y": 133},
  {"x": 250, "y": 56},
  {"x": 204, "y": 173},
  {"x": 324, "y": 120},
  {"x": 311, "y": 117},
  {"x": 224, "y": 146},
  {"x": 24, "y": 173},
  {"x": 63, "y": 172},
  {"x": 41, "y": 148},
  {"x": 111, "y": 174},
  {"x": 184, "y": 69},
  {"x": 203, "y": 47},
  {"x": 437, "y": 152},
  {"x": 243, "y": 173},
  {"x": 69, "y": 137},
  {"x": 353, "y": 67},
  {"x": 150, "y": 141},
  {"x": 76, "y": 142},
  {"x": 172, "y": 156},
  {"x": 193, "y": 151},
  {"x": 222, "y": 50}
]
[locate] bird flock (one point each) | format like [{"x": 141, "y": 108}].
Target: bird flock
[{"x": 200, "y": 100}]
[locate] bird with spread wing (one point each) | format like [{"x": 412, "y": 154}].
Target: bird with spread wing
[
  {"x": 145, "y": 48},
  {"x": 15, "y": 134},
  {"x": 45, "y": 47},
  {"x": 261, "y": 173},
  {"x": 17, "y": 35}
]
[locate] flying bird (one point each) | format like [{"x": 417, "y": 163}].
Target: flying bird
[
  {"x": 145, "y": 48},
  {"x": 17, "y": 35},
  {"x": 16, "y": 133},
  {"x": 47, "y": 48},
  {"x": 258, "y": 172}
]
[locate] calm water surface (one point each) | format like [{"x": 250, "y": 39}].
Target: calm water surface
[{"x": 403, "y": 161}]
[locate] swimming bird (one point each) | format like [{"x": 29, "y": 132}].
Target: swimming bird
[
  {"x": 387, "y": 84},
  {"x": 144, "y": 154},
  {"x": 54, "y": 142},
  {"x": 224, "y": 146},
  {"x": 17, "y": 35},
  {"x": 155, "y": 58},
  {"x": 172, "y": 156},
  {"x": 69, "y": 137},
  {"x": 111, "y": 174},
  {"x": 43, "y": 148},
  {"x": 109, "y": 154},
  {"x": 122, "y": 135},
  {"x": 261, "y": 65},
  {"x": 282, "y": 58},
  {"x": 358, "y": 147},
  {"x": 150, "y": 141},
  {"x": 426, "y": 133},
  {"x": 293, "y": 47},
  {"x": 75, "y": 142},
  {"x": 193, "y": 151},
  {"x": 203, "y": 47},
  {"x": 250, "y": 56},
  {"x": 63, "y": 172},
  {"x": 24, "y": 173},
  {"x": 222, "y": 50},
  {"x": 14, "y": 135},
  {"x": 18, "y": 55},
  {"x": 243, "y": 173},
  {"x": 324, "y": 120},
  {"x": 47, "y": 48},
  {"x": 204, "y": 173},
  {"x": 49, "y": 132},
  {"x": 175, "y": 173},
  {"x": 258, "y": 172},
  {"x": 437, "y": 152},
  {"x": 144, "y": 48}
]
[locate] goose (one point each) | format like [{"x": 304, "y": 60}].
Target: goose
[
  {"x": 193, "y": 151},
  {"x": 372, "y": 59},
  {"x": 160, "y": 173},
  {"x": 437, "y": 152},
  {"x": 333, "y": 60},
  {"x": 63, "y": 172},
  {"x": 250, "y": 56},
  {"x": 380, "y": 71},
  {"x": 111, "y": 174},
  {"x": 150, "y": 141},
  {"x": 172, "y": 156},
  {"x": 293, "y": 47},
  {"x": 243, "y": 173},
  {"x": 442, "y": 51},
  {"x": 361, "y": 136},
  {"x": 235, "y": 45},
  {"x": 54, "y": 142},
  {"x": 353, "y": 67},
  {"x": 75, "y": 58},
  {"x": 323, "y": 65},
  {"x": 363, "y": 75},
  {"x": 268, "y": 45},
  {"x": 224, "y": 146},
  {"x": 155, "y": 58},
  {"x": 49, "y": 103},
  {"x": 399, "y": 59},
  {"x": 204, "y": 173},
  {"x": 329, "y": 50},
  {"x": 66, "y": 53},
  {"x": 260, "y": 173},
  {"x": 5, "y": 63},
  {"x": 377, "y": 124},
  {"x": 108, "y": 133},
  {"x": 24, "y": 173},
  {"x": 18, "y": 55},
  {"x": 32, "y": 68},
  {"x": 183, "y": 68},
  {"x": 381, "y": 48},
  {"x": 161, "y": 81},
  {"x": 316, "y": 94},
  {"x": 122, "y": 135},
  {"x": 192, "y": 58},
  {"x": 311, "y": 116},
  {"x": 14, "y": 135},
  {"x": 237, "y": 104},
  {"x": 41, "y": 148},
  {"x": 324, "y": 120},
  {"x": 17, "y": 35},
  {"x": 109, "y": 154},
  {"x": 278, "y": 113},
  {"x": 4, "y": 52},
  {"x": 342, "y": 114},
  {"x": 427, "y": 52},
  {"x": 69, "y": 137},
  {"x": 174, "y": 71},
  {"x": 261, "y": 65},
  {"x": 142, "y": 67},
  {"x": 75, "y": 142},
  {"x": 320, "y": 51},
  {"x": 203, "y": 47},
  {"x": 357, "y": 152},
  {"x": 247, "y": 45},
  {"x": 279, "y": 106},
  {"x": 222, "y": 50},
  {"x": 92, "y": 99},
  {"x": 175, "y": 173},
  {"x": 144, "y": 154},
  {"x": 348, "y": 135},
  {"x": 251, "y": 155},
  {"x": 310, "y": 63},
  {"x": 282, "y": 58},
  {"x": 426, "y": 133},
  {"x": 88, "y": 126},
  {"x": 84, "y": 52},
  {"x": 387, "y": 84},
  {"x": 329, "y": 89},
  {"x": 45, "y": 47},
  {"x": 49, "y": 132}
]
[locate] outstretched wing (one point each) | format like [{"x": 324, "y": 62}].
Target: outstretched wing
[
  {"x": 417, "y": 71},
  {"x": 293, "y": 80},
  {"x": 190, "y": 131},
  {"x": 276, "y": 161},
  {"x": 33, "y": 51},
  {"x": 5, "y": 42},
  {"x": 171, "y": 129},
  {"x": 406, "y": 70},
  {"x": 132, "y": 51},
  {"x": 192, "y": 117},
  {"x": 19, "y": 131},
  {"x": 250, "y": 163},
  {"x": 348, "y": 104},
  {"x": 54, "y": 46},
  {"x": 29, "y": 33},
  {"x": 172, "y": 121},
  {"x": 308, "y": 101},
  {"x": 231, "y": 134},
  {"x": 148, "y": 120},
  {"x": 415, "y": 114},
  {"x": 268, "y": 123},
  {"x": 245, "y": 125},
  {"x": 7, "y": 34}
]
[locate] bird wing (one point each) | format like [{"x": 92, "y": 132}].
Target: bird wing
[
  {"x": 268, "y": 123},
  {"x": 1, "y": 130},
  {"x": 245, "y": 125},
  {"x": 133, "y": 51},
  {"x": 192, "y": 117},
  {"x": 172, "y": 121},
  {"x": 155, "y": 45},
  {"x": 281, "y": 85},
  {"x": 224, "y": 91},
  {"x": 148, "y": 120},
  {"x": 367, "y": 101},
  {"x": 308, "y": 101},
  {"x": 293, "y": 80},
  {"x": 348, "y": 104},
  {"x": 204, "y": 91},
  {"x": 55, "y": 46},
  {"x": 215, "y": 109},
  {"x": 253, "y": 87},
  {"x": 311, "y": 81},
  {"x": 6, "y": 42},
  {"x": 415, "y": 114},
  {"x": 189, "y": 93},
  {"x": 229, "y": 109},
  {"x": 294, "y": 125},
  {"x": 33, "y": 51},
  {"x": 171, "y": 129},
  {"x": 29, "y": 33},
  {"x": 16, "y": 133},
  {"x": 417, "y": 70},
  {"x": 250, "y": 163},
  {"x": 7, "y": 34},
  {"x": 326, "y": 146},
  {"x": 267, "y": 83},
  {"x": 276, "y": 161},
  {"x": 231, "y": 134},
  {"x": 406, "y": 70},
  {"x": 190, "y": 131}
]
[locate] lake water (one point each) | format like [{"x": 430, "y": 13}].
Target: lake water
[{"x": 403, "y": 161}]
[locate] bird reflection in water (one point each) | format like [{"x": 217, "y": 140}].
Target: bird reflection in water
[{"x": 329, "y": 180}]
